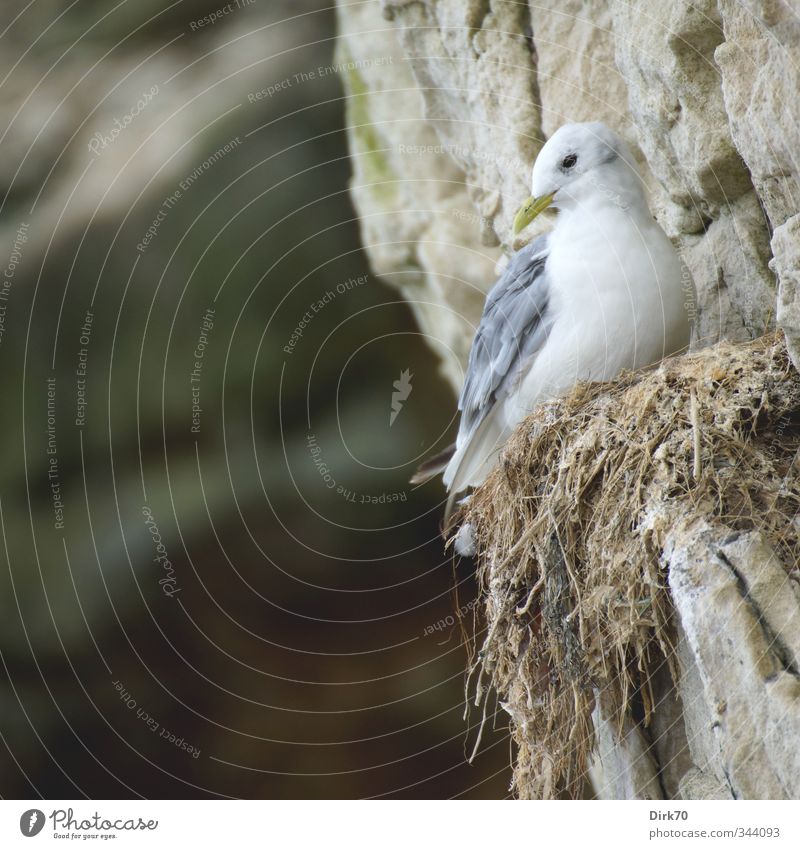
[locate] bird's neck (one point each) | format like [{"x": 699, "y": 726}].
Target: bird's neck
[{"x": 600, "y": 208}]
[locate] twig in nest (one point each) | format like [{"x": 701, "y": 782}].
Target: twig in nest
[{"x": 695, "y": 416}]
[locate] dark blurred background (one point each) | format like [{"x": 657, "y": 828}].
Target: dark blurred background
[{"x": 216, "y": 579}]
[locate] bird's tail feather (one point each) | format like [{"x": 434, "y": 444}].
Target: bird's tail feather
[
  {"x": 473, "y": 461},
  {"x": 448, "y": 510},
  {"x": 433, "y": 465}
]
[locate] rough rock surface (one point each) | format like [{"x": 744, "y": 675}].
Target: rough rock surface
[
  {"x": 786, "y": 264},
  {"x": 706, "y": 93},
  {"x": 739, "y": 611},
  {"x": 422, "y": 232}
]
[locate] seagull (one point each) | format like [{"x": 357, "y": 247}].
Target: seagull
[{"x": 603, "y": 291}]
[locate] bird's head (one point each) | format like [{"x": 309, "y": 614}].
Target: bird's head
[{"x": 580, "y": 164}]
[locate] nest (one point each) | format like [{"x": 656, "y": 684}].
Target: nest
[{"x": 570, "y": 527}]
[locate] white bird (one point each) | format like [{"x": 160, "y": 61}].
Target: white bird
[{"x": 605, "y": 290}]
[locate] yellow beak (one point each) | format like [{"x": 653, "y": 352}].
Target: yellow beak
[{"x": 529, "y": 211}]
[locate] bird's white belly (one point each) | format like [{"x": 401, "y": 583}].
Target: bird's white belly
[{"x": 617, "y": 298}]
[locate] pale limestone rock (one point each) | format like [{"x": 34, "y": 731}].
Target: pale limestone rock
[
  {"x": 759, "y": 61},
  {"x": 420, "y": 230},
  {"x": 697, "y": 784},
  {"x": 740, "y": 614},
  {"x": 623, "y": 767},
  {"x": 577, "y": 76},
  {"x": 473, "y": 65},
  {"x": 730, "y": 267},
  {"x": 666, "y": 53},
  {"x": 706, "y": 779},
  {"x": 786, "y": 264}
]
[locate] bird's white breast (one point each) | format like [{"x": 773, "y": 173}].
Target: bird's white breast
[{"x": 616, "y": 295}]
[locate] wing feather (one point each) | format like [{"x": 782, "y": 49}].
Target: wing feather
[{"x": 514, "y": 326}]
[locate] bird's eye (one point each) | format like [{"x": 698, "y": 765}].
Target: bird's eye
[{"x": 569, "y": 161}]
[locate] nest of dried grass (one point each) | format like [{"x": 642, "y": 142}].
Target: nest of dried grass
[{"x": 570, "y": 528}]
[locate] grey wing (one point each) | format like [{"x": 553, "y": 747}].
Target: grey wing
[{"x": 514, "y": 326}]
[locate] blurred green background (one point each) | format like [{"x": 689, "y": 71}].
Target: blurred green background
[{"x": 280, "y": 642}]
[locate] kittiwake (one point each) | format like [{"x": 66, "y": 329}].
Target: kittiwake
[{"x": 603, "y": 291}]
